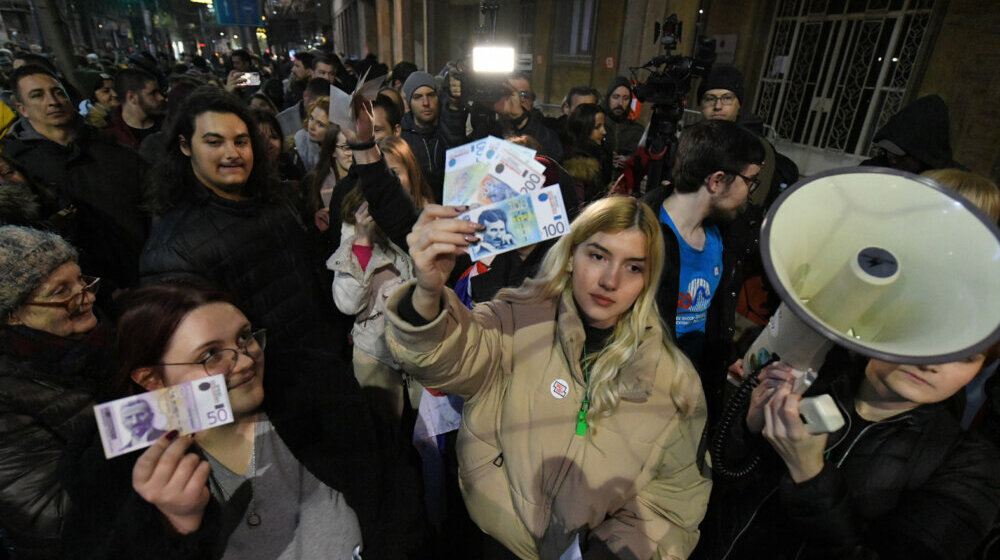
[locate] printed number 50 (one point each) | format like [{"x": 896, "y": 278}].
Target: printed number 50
[{"x": 217, "y": 416}]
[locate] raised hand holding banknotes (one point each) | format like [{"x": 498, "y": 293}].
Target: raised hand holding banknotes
[{"x": 437, "y": 237}]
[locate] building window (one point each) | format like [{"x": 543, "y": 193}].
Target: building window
[
  {"x": 574, "y": 40},
  {"x": 836, "y": 70}
]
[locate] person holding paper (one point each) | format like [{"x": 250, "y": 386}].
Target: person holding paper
[
  {"x": 54, "y": 352},
  {"x": 582, "y": 419},
  {"x": 298, "y": 469}
]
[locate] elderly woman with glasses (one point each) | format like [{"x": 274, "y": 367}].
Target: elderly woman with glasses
[
  {"x": 296, "y": 471},
  {"x": 54, "y": 353}
]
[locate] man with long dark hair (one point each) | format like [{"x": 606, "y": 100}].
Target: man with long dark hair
[{"x": 223, "y": 217}]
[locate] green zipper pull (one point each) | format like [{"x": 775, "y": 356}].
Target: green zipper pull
[{"x": 581, "y": 418}]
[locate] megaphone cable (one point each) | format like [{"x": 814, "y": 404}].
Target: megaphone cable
[{"x": 735, "y": 405}]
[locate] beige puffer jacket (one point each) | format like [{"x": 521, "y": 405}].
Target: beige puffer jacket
[{"x": 527, "y": 478}]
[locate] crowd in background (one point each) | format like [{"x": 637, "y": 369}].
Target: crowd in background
[{"x": 229, "y": 222}]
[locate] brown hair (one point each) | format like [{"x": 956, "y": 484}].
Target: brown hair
[{"x": 149, "y": 318}]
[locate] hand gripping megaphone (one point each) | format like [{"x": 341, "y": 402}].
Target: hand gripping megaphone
[{"x": 883, "y": 262}]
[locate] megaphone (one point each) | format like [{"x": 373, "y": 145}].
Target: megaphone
[{"x": 883, "y": 262}]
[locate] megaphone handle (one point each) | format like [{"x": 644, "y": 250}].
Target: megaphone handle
[{"x": 736, "y": 405}]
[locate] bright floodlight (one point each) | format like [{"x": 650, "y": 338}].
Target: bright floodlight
[{"x": 493, "y": 59}]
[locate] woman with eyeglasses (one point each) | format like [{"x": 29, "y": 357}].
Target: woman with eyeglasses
[
  {"x": 294, "y": 476},
  {"x": 54, "y": 354}
]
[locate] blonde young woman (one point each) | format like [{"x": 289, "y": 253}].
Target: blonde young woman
[{"x": 582, "y": 420}]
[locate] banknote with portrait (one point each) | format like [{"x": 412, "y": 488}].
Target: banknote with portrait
[
  {"x": 476, "y": 177},
  {"x": 136, "y": 422},
  {"x": 518, "y": 221}
]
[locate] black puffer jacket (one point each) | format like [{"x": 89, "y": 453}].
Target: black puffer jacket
[
  {"x": 103, "y": 181},
  {"x": 913, "y": 486},
  {"x": 261, "y": 253},
  {"x": 47, "y": 390}
]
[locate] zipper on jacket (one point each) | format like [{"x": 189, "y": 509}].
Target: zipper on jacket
[{"x": 498, "y": 462}]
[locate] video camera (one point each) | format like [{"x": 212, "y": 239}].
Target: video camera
[{"x": 667, "y": 87}]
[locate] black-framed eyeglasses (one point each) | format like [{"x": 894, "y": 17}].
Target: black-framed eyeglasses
[
  {"x": 345, "y": 147},
  {"x": 711, "y": 100},
  {"x": 74, "y": 302},
  {"x": 224, "y": 361},
  {"x": 752, "y": 182}
]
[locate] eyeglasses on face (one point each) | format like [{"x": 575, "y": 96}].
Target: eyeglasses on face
[
  {"x": 73, "y": 303},
  {"x": 752, "y": 182},
  {"x": 711, "y": 100},
  {"x": 224, "y": 361}
]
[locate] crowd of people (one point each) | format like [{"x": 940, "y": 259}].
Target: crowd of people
[{"x": 162, "y": 221}]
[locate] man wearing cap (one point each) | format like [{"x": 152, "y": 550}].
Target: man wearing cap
[
  {"x": 429, "y": 132},
  {"x": 721, "y": 97}
]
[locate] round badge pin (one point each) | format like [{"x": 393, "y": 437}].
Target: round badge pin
[{"x": 559, "y": 389}]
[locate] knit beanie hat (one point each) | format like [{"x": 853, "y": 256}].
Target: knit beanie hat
[
  {"x": 417, "y": 79},
  {"x": 27, "y": 257},
  {"x": 723, "y": 77}
]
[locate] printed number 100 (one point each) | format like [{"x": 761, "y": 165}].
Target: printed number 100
[{"x": 552, "y": 230}]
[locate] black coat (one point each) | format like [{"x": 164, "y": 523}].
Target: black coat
[
  {"x": 103, "y": 181},
  {"x": 323, "y": 420},
  {"x": 429, "y": 144},
  {"x": 48, "y": 385},
  {"x": 912, "y": 486},
  {"x": 261, "y": 253}
]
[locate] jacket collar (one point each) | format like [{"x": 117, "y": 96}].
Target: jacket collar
[
  {"x": 410, "y": 124},
  {"x": 636, "y": 376}
]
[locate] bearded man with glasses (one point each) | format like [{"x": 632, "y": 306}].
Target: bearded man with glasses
[{"x": 715, "y": 172}]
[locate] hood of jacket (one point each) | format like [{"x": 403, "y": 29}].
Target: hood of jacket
[
  {"x": 617, "y": 82},
  {"x": 921, "y": 129}
]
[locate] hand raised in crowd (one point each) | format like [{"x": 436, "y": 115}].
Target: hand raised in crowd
[
  {"x": 363, "y": 223},
  {"x": 364, "y": 121},
  {"x": 801, "y": 451},
  {"x": 173, "y": 481},
  {"x": 772, "y": 378},
  {"x": 322, "y": 219},
  {"x": 236, "y": 79},
  {"x": 437, "y": 238},
  {"x": 510, "y": 104}
]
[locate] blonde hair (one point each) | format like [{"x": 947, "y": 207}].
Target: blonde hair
[
  {"x": 975, "y": 188},
  {"x": 614, "y": 214}
]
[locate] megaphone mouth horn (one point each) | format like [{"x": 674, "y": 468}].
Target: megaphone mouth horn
[{"x": 886, "y": 263}]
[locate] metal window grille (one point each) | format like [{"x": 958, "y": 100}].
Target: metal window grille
[{"x": 836, "y": 70}]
